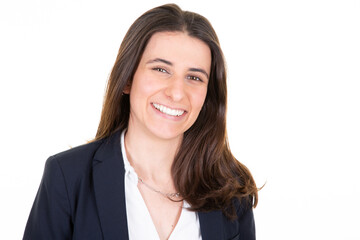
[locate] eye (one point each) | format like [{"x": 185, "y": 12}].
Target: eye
[
  {"x": 194, "y": 78},
  {"x": 160, "y": 69}
]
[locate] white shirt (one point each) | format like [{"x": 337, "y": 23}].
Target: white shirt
[{"x": 140, "y": 224}]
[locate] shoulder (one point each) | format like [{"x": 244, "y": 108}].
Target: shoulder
[
  {"x": 77, "y": 154},
  {"x": 244, "y": 225},
  {"x": 73, "y": 162},
  {"x": 245, "y": 218},
  {"x": 217, "y": 225}
]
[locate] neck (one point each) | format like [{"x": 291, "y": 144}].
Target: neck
[{"x": 150, "y": 156}]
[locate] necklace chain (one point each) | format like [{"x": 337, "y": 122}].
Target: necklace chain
[{"x": 168, "y": 195}]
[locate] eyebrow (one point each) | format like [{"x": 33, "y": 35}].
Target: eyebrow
[
  {"x": 171, "y": 64},
  {"x": 160, "y": 60}
]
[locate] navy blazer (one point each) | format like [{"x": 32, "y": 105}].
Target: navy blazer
[{"x": 82, "y": 197}]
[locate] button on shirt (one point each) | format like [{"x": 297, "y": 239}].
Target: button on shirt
[{"x": 140, "y": 224}]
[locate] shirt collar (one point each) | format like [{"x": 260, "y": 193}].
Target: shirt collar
[{"x": 128, "y": 168}]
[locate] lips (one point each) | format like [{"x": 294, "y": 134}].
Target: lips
[{"x": 168, "y": 111}]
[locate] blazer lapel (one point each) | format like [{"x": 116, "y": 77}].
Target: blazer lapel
[
  {"x": 211, "y": 225},
  {"x": 108, "y": 176}
]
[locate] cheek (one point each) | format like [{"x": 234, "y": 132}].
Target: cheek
[
  {"x": 199, "y": 99},
  {"x": 142, "y": 86}
]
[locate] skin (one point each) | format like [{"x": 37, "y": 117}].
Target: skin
[{"x": 172, "y": 72}]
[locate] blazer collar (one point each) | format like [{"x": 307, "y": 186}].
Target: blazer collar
[{"x": 108, "y": 177}]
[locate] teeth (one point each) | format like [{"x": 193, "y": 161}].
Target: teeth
[{"x": 168, "y": 111}]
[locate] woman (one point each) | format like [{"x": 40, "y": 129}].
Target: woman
[{"x": 160, "y": 166}]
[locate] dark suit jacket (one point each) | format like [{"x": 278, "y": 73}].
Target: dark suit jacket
[{"x": 82, "y": 197}]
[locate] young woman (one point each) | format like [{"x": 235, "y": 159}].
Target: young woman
[{"x": 160, "y": 166}]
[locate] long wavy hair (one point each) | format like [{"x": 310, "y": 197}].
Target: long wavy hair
[{"x": 204, "y": 171}]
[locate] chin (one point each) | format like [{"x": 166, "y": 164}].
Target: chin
[{"x": 167, "y": 133}]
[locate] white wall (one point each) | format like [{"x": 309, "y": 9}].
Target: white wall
[{"x": 294, "y": 101}]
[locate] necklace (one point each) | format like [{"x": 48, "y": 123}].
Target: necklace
[{"x": 168, "y": 195}]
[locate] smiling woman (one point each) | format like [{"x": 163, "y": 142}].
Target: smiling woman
[{"x": 160, "y": 166}]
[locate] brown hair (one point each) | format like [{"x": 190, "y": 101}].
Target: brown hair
[{"x": 204, "y": 171}]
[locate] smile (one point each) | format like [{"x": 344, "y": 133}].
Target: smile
[{"x": 168, "y": 111}]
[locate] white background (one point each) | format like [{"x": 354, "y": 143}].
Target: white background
[{"x": 294, "y": 101}]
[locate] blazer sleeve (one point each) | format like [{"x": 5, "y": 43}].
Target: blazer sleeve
[
  {"x": 246, "y": 222},
  {"x": 50, "y": 216}
]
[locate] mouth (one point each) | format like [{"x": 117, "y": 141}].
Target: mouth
[{"x": 168, "y": 111}]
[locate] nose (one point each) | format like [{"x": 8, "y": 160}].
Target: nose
[{"x": 175, "y": 88}]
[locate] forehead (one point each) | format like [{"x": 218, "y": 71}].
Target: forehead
[{"x": 179, "y": 48}]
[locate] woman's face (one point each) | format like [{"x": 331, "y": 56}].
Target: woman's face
[{"x": 170, "y": 85}]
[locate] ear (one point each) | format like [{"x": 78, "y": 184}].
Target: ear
[{"x": 127, "y": 88}]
